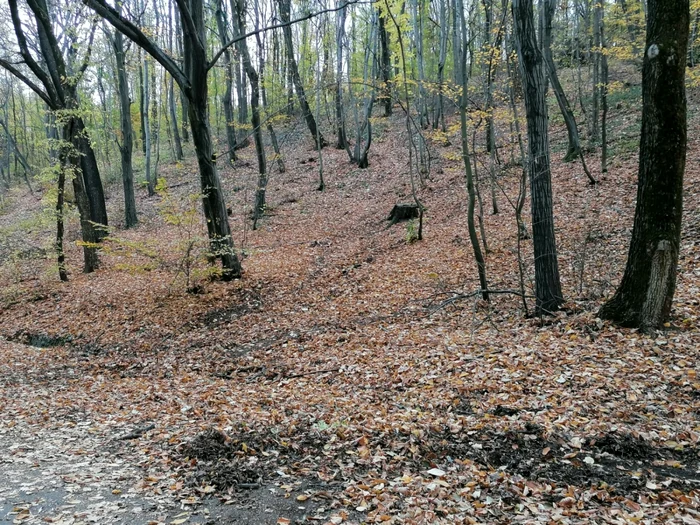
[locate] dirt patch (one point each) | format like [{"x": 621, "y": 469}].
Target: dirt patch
[
  {"x": 40, "y": 339},
  {"x": 248, "y": 458}
]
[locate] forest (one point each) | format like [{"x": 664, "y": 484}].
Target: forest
[{"x": 349, "y": 261}]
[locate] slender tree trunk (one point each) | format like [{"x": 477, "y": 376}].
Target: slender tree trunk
[
  {"x": 226, "y": 101},
  {"x": 143, "y": 103},
  {"x": 284, "y": 8},
  {"x": 439, "y": 119},
  {"x": 645, "y": 295},
  {"x": 172, "y": 104},
  {"x": 146, "y": 119},
  {"x": 239, "y": 28},
  {"x": 60, "y": 199},
  {"x": 547, "y": 284},
  {"x": 385, "y": 66},
  {"x": 263, "y": 93},
  {"x": 595, "y": 112},
  {"x": 572, "y": 129},
  {"x": 342, "y": 141},
  {"x": 604, "y": 103},
  {"x": 126, "y": 145},
  {"x": 471, "y": 226}
]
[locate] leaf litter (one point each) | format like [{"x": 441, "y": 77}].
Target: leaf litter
[{"x": 350, "y": 377}]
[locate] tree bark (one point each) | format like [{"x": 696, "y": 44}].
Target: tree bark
[
  {"x": 645, "y": 294},
  {"x": 226, "y": 101},
  {"x": 284, "y": 7},
  {"x": 126, "y": 145},
  {"x": 192, "y": 79},
  {"x": 563, "y": 102},
  {"x": 547, "y": 284},
  {"x": 385, "y": 65},
  {"x": 239, "y": 29}
]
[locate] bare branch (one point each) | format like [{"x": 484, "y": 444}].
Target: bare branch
[
  {"x": 129, "y": 30},
  {"x": 31, "y": 85},
  {"x": 308, "y": 16}
]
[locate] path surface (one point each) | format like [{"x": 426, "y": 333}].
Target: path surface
[{"x": 70, "y": 477}]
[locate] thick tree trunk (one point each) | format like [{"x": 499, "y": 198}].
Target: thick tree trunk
[
  {"x": 547, "y": 284},
  {"x": 213, "y": 203},
  {"x": 646, "y": 292},
  {"x": 70, "y": 160},
  {"x": 212, "y": 196}
]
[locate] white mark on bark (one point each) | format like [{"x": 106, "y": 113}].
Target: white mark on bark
[{"x": 653, "y": 51}]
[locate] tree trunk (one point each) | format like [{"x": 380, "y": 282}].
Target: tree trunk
[
  {"x": 70, "y": 160},
  {"x": 60, "y": 198},
  {"x": 212, "y": 196},
  {"x": 646, "y": 292},
  {"x": 595, "y": 111},
  {"x": 126, "y": 145},
  {"x": 342, "y": 141},
  {"x": 146, "y": 119},
  {"x": 571, "y": 128},
  {"x": 471, "y": 226},
  {"x": 284, "y": 7},
  {"x": 547, "y": 284},
  {"x": 263, "y": 94},
  {"x": 226, "y": 101},
  {"x": 239, "y": 28},
  {"x": 385, "y": 65},
  {"x": 172, "y": 105}
]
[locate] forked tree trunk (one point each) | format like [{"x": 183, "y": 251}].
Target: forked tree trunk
[
  {"x": 192, "y": 79},
  {"x": 547, "y": 284},
  {"x": 471, "y": 191},
  {"x": 646, "y": 292}
]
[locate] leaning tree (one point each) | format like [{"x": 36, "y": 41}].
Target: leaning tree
[
  {"x": 49, "y": 65},
  {"x": 192, "y": 79},
  {"x": 645, "y": 294}
]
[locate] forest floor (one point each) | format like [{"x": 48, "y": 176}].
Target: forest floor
[{"x": 350, "y": 376}]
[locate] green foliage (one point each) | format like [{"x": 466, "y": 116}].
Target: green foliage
[{"x": 187, "y": 254}]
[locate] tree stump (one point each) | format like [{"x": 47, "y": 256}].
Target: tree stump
[{"x": 403, "y": 212}]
